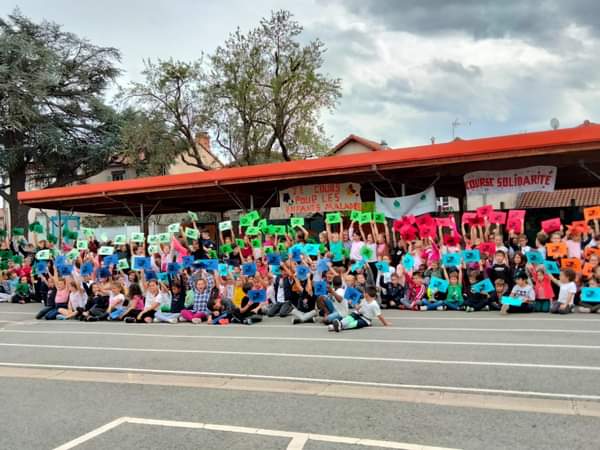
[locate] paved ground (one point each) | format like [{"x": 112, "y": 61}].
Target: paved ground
[{"x": 434, "y": 379}]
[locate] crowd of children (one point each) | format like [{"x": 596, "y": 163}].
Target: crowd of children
[{"x": 342, "y": 277}]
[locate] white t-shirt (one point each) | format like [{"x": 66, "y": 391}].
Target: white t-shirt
[
  {"x": 369, "y": 310},
  {"x": 341, "y": 307},
  {"x": 565, "y": 290},
  {"x": 525, "y": 293},
  {"x": 160, "y": 298},
  {"x": 116, "y": 300}
]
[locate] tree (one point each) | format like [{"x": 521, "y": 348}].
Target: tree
[
  {"x": 269, "y": 91},
  {"x": 147, "y": 143},
  {"x": 55, "y": 128},
  {"x": 173, "y": 93}
]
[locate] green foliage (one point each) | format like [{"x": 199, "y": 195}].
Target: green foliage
[{"x": 54, "y": 125}]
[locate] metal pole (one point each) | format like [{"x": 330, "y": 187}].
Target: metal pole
[
  {"x": 60, "y": 234},
  {"x": 251, "y": 202},
  {"x": 403, "y": 188},
  {"x": 141, "y": 218}
]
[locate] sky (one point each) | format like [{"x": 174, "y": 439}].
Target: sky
[{"x": 409, "y": 69}]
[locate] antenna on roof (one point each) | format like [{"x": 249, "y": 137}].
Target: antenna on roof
[
  {"x": 554, "y": 123},
  {"x": 457, "y": 124}
]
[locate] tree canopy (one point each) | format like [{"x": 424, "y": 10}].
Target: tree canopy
[{"x": 55, "y": 127}]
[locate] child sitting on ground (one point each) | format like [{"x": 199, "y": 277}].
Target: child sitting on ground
[
  {"x": 523, "y": 291},
  {"x": 566, "y": 294},
  {"x": 363, "y": 315}
]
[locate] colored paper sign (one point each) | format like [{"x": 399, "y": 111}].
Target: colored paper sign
[
  {"x": 87, "y": 268},
  {"x": 467, "y": 218},
  {"x": 302, "y": 272},
  {"x": 451, "y": 240},
  {"x": 358, "y": 265},
  {"x": 551, "y": 225},
  {"x": 367, "y": 252},
  {"x": 311, "y": 249},
  {"x": 427, "y": 231},
  {"x": 106, "y": 250},
  {"x": 512, "y": 301},
  {"x": 444, "y": 222},
  {"x": 257, "y": 295},
  {"x": 297, "y": 222},
  {"x": 152, "y": 239},
  {"x": 223, "y": 270},
  {"x": 588, "y": 270},
  {"x": 333, "y": 218},
  {"x": 529, "y": 179},
  {"x": 122, "y": 264},
  {"x": 408, "y": 262},
  {"x": 110, "y": 260},
  {"x": 451, "y": 259},
  {"x": 483, "y": 286},
  {"x": 193, "y": 216},
  {"x": 571, "y": 263},
  {"x": 425, "y": 220},
  {"x": 41, "y": 266},
  {"x": 174, "y": 228},
  {"x": 408, "y": 232},
  {"x": 497, "y": 217},
  {"x": 471, "y": 256},
  {"x": 212, "y": 265},
  {"x": 323, "y": 265},
  {"x": 275, "y": 270},
  {"x": 355, "y": 216},
  {"x": 556, "y": 250},
  {"x": 137, "y": 238},
  {"x": 438, "y": 284},
  {"x": 191, "y": 233},
  {"x": 534, "y": 257},
  {"x": 383, "y": 266},
  {"x": 73, "y": 254},
  {"x": 82, "y": 245},
  {"x": 252, "y": 231},
  {"x": 320, "y": 288},
  {"x": 485, "y": 211},
  {"x": 249, "y": 269},
  {"x": 65, "y": 270},
  {"x": 274, "y": 259},
  {"x": 592, "y": 213},
  {"x": 153, "y": 249},
  {"x": 226, "y": 249},
  {"x": 365, "y": 218},
  {"x": 225, "y": 226},
  {"x": 590, "y": 295},
  {"x": 256, "y": 243},
  {"x": 42, "y": 255},
  {"x": 320, "y": 198},
  {"x": 552, "y": 267},
  {"x": 487, "y": 248},
  {"x": 379, "y": 217},
  {"x": 353, "y": 295},
  {"x": 120, "y": 239},
  {"x": 187, "y": 261},
  {"x": 515, "y": 221},
  {"x": 138, "y": 262},
  {"x": 173, "y": 268}
]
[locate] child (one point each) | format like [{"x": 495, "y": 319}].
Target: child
[
  {"x": 542, "y": 285},
  {"x": 494, "y": 299},
  {"x": 416, "y": 292},
  {"x": 566, "y": 294},
  {"x": 22, "y": 291},
  {"x": 335, "y": 305},
  {"x": 454, "y": 298},
  {"x": 476, "y": 301},
  {"x": 523, "y": 291},
  {"x": 500, "y": 269},
  {"x": 393, "y": 292},
  {"x": 136, "y": 304},
  {"x": 363, "y": 315}
]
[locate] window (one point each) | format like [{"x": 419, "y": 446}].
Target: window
[{"x": 118, "y": 175}]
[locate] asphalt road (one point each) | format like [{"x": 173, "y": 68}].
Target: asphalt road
[{"x": 433, "y": 379}]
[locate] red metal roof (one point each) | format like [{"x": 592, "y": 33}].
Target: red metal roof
[{"x": 401, "y": 164}]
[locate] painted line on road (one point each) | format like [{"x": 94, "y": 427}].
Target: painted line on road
[
  {"x": 307, "y": 356},
  {"x": 307, "y": 339},
  {"x": 275, "y": 378},
  {"x": 298, "y": 440}
]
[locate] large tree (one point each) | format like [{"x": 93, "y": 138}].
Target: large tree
[
  {"x": 173, "y": 93},
  {"x": 268, "y": 91},
  {"x": 55, "y": 128}
]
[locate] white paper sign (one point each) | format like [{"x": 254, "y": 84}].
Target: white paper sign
[
  {"x": 529, "y": 179},
  {"x": 314, "y": 198}
]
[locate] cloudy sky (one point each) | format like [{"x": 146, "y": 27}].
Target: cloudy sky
[{"x": 409, "y": 68}]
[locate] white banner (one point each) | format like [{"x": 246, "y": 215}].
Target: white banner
[
  {"x": 529, "y": 179},
  {"x": 313, "y": 198},
  {"x": 416, "y": 204}
]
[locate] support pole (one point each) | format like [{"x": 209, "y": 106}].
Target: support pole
[
  {"x": 403, "y": 189},
  {"x": 142, "y": 222},
  {"x": 251, "y": 202},
  {"x": 60, "y": 234}
]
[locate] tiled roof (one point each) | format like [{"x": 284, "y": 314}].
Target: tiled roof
[
  {"x": 371, "y": 145},
  {"x": 560, "y": 199}
]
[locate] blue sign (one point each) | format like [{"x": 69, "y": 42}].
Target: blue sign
[
  {"x": 320, "y": 288},
  {"x": 249, "y": 269},
  {"x": 512, "y": 301},
  {"x": 302, "y": 272},
  {"x": 591, "y": 295},
  {"x": 257, "y": 296},
  {"x": 483, "y": 286},
  {"x": 438, "y": 284},
  {"x": 534, "y": 257},
  {"x": 451, "y": 259},
  {"x": 353, "y": 295},
  {"x": 471, "y": 256}
]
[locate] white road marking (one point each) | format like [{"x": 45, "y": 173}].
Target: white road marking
[
  {"x": 308, "y": 339},
  {"x": 297, "y": 439},
  {"x": 92, "y": 434},
  {"x": 306, "y": 379},
  {"x": 307, "y": 356}
]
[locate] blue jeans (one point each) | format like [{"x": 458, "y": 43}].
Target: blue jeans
[
  {"x": 452, "y": 305},
  {"x": 164, "y": 317},
  {"x": 432, "y": 305},
  {"x": 225, "y": 315},
  {"x": 116, "y": 313}
]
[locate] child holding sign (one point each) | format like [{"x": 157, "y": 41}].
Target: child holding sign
[
  {"x": 566, "y": 293},
  {"x": 523, "y": 292},
  {"x": 363, "y": 315}
]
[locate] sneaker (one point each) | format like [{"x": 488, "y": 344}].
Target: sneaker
[
  {"x": 504, "y": 309},
  {"x": 92, "y": 319},
  {"x": 129, "y": 320},
  {"x": 173, "y": 320},
  {"x": 486, "y": 308},
  {"x": 337, "y": 326},
  {"x": 235, "y": 320},
  {"x": 423, "y": 308},
  {"x": 181, "y": 319},
  {"x": 155, "y": 320},
  {"x": 248, "y": 321},
  {"x": 330, "y": 328},
  {"x": 440, "y": 308},
  {"x": 295, "y": 321},
  {"x": 61, "y": 317},
  {"x": 197, "y": 321}
]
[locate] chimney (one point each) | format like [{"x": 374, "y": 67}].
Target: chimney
[{"x": 203, "y": 140}]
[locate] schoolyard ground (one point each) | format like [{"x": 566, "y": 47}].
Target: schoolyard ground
[{"x": 432, "y": 380}]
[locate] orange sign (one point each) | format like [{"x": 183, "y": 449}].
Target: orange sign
[
  {"x": 571, "y": 263},
  {"x": 557, "y": 250},
  {"x": 591, "y": 213}
]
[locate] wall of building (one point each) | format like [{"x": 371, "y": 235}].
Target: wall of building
[
  {"x": 498, "y": 201},
  {"x": 352, "y": 148}
]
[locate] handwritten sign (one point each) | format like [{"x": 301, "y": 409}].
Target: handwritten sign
[
  {"x": 320, "y": 197},
  {"x": 529, "y": 179}
]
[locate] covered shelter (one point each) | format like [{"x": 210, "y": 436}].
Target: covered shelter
[{"x": 391, "y": 172}]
